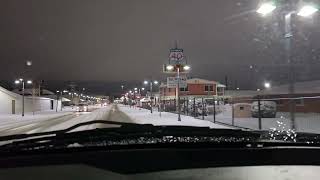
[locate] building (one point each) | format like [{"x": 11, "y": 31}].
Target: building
[
  {"x": 11, "y": 103},
  {"x": 35, "y": 91},
  {"x": 196, "y": 88},
  {"x": 306, "y": 96}
]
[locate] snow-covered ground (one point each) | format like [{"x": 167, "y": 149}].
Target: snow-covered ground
[
  {"x": 16, "y": 120},
  {"x": 99, "y": 114},
  {"x": 143, "y": 116},
  {"x": 305, "y": 122}
]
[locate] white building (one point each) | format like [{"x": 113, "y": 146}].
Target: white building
[{"x": 11, "y": 103}]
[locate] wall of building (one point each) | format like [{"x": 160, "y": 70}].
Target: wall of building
[
  {"x": 193, "y": 89},
  {"x": 199, "y": 89},
  {"x": 11, "y": 103},
  {"x": 6, "y": 98}
]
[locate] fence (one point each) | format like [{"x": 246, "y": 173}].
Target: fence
[{"x": 255, "y": 113}]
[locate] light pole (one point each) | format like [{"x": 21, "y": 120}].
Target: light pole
[
  {"x": 22, "y": 82},
  {"x": 305, "y": 11},
  {"x": 122, "y": 86},
  {"x": 151, "y": 86},
  {"x": 177, "y": 68}
]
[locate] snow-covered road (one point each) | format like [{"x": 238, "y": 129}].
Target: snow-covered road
[{"x": 119, "y": 113}]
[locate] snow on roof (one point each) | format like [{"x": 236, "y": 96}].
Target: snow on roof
[
  {"x": 3, "y": 90},
  {"x": 221, "y": 85},
  {"x": 200, "y": 81},
  {"x": 36, "y": 91},
  {"x": 306, "y": 87},
  {"x": 240, "y": 93}
]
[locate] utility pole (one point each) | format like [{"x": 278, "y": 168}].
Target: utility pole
[
  {"x": 178, "y": 94},
  {"x": 22, "y": 97},
  {"x": 288, "y": 36}
]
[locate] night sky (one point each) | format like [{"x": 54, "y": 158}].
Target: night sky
[{"x": 129, "y": 40}]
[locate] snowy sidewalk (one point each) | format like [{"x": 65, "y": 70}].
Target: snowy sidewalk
[{"x": 143, "y": 116}]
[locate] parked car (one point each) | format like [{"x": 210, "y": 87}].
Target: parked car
[
  {"x": 82, "y": 107},
  {"x": 268, "y": 109}
]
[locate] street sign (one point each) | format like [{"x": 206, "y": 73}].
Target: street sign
[
  {"x": 176, "y": 55},
  {"x": 172, "y": 82}
]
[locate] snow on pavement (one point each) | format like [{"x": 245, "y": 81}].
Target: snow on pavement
[
  {"x": 9, "y": 120},
  {"x": 143, "y": 116},
  {"x": 99, "y": 114}
]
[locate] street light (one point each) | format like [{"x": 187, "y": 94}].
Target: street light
[
  {"x": 22, "y": 82},
  {"x": 267, "y": 85},
  {"x": 186, "y": 67},
  {"x": 169, "y": 67},
  {"x": 266, "y": 8},
  {"x": 306, "y": 10},
  {"x": 151, "y": 85}
]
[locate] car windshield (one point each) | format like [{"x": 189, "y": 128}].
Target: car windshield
[{"x": 235, "y": 65}]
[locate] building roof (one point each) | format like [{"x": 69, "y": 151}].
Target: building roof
[
  {"x": 241, "y": 93},
  {"x": 306, "y": 87},
  {"x": 3, "y": 90},
  {"x": 36, "y": 91}
]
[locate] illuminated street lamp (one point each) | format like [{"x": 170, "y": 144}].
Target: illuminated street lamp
[
  {"x": 266, "y": 8},
  {"x": 169, "y": 67},
  {"x": 151, "y": 85},
  {"x": 186, "y": 67},
  {"x": 267, "y": 85},
  {"x": 305, "y": 11},
  {"x": 22, "y": 82}
]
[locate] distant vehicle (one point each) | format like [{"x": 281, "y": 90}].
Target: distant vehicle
[
  {"x": 268, "y": 109},
  {"x": 82, "y": 107}
]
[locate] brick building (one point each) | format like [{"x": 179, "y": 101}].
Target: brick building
[
  {"x": 196, "y": 88},
  {"x": 306, "y": 96}
]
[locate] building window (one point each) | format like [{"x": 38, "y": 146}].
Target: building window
[
  {"x": 280, "y": 102},
  {"x": 184, "y": 89},
  {"x": 299, "y": 102},
  {"x": 169, "y": 89},
  {"x": 208, "y": 88}
]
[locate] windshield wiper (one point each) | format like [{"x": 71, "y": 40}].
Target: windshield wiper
[
  {"x": 33, "y": 135},
  {"x": 128, "y": 133}
]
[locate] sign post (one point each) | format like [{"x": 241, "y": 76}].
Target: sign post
[{"x": 177, "y": 66}]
